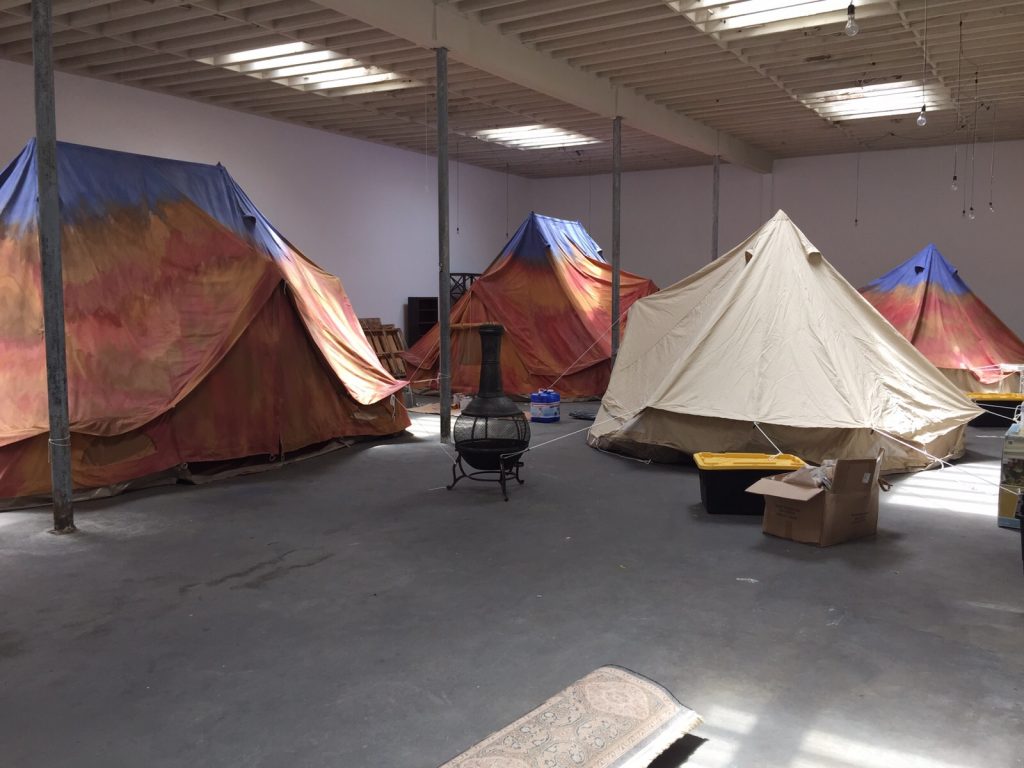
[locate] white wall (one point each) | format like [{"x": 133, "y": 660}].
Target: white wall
[
  {"x": 367, "y": 212},
  {"x": 905, "y": 203},
  {"x": 364, "y": 211},
  {"x": 666, "y": 215}
]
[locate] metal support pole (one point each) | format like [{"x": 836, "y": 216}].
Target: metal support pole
[
  {"x": 444, "y": 302},
  {"x": 616, "y": 227},
  {"x": 48, "y": 226},
  {"x": 714, "y": 209}
]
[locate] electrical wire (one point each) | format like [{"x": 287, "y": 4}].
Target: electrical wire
[
  {"x": 458, "y": 186},
  {"x": 955, "y": 157},
  {"x": 992, "y": 163},
  {"x": 856, "y": 196},
  {"x": 924, "y": 55},
  {"x": 590, "y": 191},
  {"x": 959, "y": 61},
  {"x": 974, "y": 145}
]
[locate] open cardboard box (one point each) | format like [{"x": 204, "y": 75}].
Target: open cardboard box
[{"x": 847, "y": 510}]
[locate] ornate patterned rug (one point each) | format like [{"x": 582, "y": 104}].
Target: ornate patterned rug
[{"x": 612, "y": 718}]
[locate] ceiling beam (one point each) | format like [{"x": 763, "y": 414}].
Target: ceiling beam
[{"x": 424, "y": 23}]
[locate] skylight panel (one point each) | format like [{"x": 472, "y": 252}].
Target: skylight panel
[
  {"x": 227, "y": 59},
  {"x": 305, "y": 67},
  {"x": 534, "y": 137},
  {"x": 349, "y": 81},
  {"x": 715, "y": 17},
  {"x": 877, "y": 100}
]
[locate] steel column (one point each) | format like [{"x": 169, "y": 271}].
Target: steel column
[
  {"x": 616, "y": 230},
  {"x": 444, "y": 304},
  {"x": 48, "y": 227}
]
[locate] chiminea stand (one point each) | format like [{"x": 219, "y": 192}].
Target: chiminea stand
[
  {"x": 492, "y": 433},
  {"x": 508, "y": 469}
]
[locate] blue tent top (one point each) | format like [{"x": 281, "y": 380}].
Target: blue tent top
[
  {"x": 92, "y": 181},
  {"x": 538, "y": 234},
  {"x": 927, "y": 266}
]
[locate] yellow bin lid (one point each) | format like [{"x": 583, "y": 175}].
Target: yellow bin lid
[
  {"x": 1012, "y": 397},
  {"x": 781, "y": 462}
]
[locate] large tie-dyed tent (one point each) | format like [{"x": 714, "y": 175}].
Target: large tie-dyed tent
[
  {"x": 929, "y": 303},
  {"x": 196, "y": 334},
  {"x": 552, "y": 290}
]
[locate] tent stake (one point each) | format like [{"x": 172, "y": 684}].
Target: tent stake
[
  {"x": 444, "y": 383},
  {"x": 48, "y": 227},
  {"x": 616, "y": 226}
]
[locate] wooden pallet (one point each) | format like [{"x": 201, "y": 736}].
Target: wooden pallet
[{"x": 387, "y": 342}]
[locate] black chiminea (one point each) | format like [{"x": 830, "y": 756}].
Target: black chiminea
[{"x": 491, "y": 433}]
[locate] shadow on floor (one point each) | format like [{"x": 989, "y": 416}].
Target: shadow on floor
[
  {"x": 679, "y": 753},
  {"x": 698, "y": 513},
  {"x": 883, "y": 551}
]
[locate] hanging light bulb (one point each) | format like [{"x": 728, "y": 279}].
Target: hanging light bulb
[
  {"x": 954, "y": 186},
  {"x": 971, "y": 214},
  {"x": 991, "y": 208},
  {"x": 852, "y": 27},
  {"x": 922, "y": 118}
]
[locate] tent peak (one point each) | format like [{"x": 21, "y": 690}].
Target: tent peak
[
  {"x": 779, "y": 225},
  {"x": 931, "y": 255},
  {"x": 544, "y": 217},
  {"x": 539, "y": 234}
]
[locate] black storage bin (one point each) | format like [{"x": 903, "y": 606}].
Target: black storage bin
[
  {"x": 725, "y": 477},
  {"x": 999, "y": 408}
]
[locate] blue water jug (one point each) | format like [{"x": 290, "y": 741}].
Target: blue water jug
[{"x": 545, "y": 406}]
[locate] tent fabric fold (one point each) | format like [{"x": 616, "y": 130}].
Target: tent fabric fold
[
  {"x": 930, "y": 304},
  {"x": 551, "y": 290},
  {"x": 195, "y": 332},
  {"x": 769, "y": 348}
]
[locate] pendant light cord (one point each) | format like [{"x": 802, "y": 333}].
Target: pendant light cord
[
  {"x": 959, "y": 81},
  {"x": 974, "y": 143},
  {"x": 924, "y": 55},
  {"x": 458, "y": 186},
  {"x": 992, "y": 162},
  {"x": 856, "y": 195},
  {"x": 590, "y": 192}
]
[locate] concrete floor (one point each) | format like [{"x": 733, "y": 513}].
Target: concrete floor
[{"x": 349, "y": 612}]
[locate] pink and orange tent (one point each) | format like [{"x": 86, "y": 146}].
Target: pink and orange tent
[
  {"x": 551, "y": 290},
  {"x": 196, "y": 334},
  {"x": 929, "y": 303}
]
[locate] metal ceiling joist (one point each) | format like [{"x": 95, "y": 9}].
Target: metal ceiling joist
[{"x": 429, "y": 25}]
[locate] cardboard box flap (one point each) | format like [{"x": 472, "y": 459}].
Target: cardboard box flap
[
  {"x": 855, "y": 475},
  {"x": 779, "y": 490}
]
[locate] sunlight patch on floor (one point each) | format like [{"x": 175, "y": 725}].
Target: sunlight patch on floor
[
  {"x": 724, "y": 728},
  {"x": 971, "y": 489},
  {"x": 847, "y": 753}
]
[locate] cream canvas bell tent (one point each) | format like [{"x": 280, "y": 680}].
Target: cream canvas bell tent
[{"x": 770, "y": 341}]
